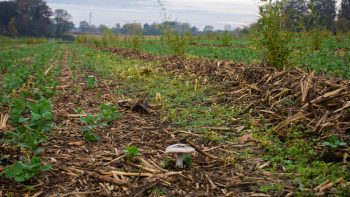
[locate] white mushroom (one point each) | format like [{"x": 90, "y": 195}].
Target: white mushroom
[{"x": 181, "y": 150}]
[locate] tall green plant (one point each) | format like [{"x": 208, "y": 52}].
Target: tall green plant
[
  {"x": 273, "y": 38},
  {"x": 226, "y": 38}
]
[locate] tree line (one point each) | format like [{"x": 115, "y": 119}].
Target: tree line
[
  {"x": 305, "y": 15},
  {"x": 150, "y": 29},
  {"x": 33, "y": 18}
]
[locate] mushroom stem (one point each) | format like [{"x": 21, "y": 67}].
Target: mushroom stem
[{"x": 180, "y": 160}]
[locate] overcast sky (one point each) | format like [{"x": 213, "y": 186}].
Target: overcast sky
[{"x": 217, "y": 13}]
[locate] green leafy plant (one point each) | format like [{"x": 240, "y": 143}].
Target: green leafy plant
[
  {"x": 28, "y": 138},
  {"x": 91, "y": 122},
  {"x": 131, "y": 152},
  {"x": 136, "y": 41},
  {"x": 317, "y": 37},
  {"x": 41, "y": 115},
  {"x": 108, "y": 112},
  {"x": 17, "y": 105},
  {"x": 226, "y": 38},
  {"x": 334, "y": 142},
  {"x": 91, "y": 82},
  {"x": 164, "y": 164},
  {"x": 177, "y": 43},
  {"x": 274, "y": 40},
  {"x": 188, "y": 161},
  {"x": 91, "y": 137},
  {"x": 23, "y": 171},
  {"x": 15, "y": 80}
]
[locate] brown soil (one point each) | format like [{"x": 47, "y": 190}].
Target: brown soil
[
  {"x": 285, "y": 97},
  {"x": 83, "y": 168}
]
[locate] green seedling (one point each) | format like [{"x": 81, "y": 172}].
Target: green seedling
[
  {"x": 23, "y": 171},
  {"x": 91, "y": 82},
  {"x": 108, "y": 112},
  {"x": 188, "y": 161},
  {"x": 17, "y": 108},
  {"x": 41, "y": 115},
  {"x": 28, "y": 138},
  {"x": 131, "y": 152},
  {"x": 91, "y": 137},
  {"x": 334, "y": 142},
  {"x": 164, "y": 164},
  {"x": 91, "y": 122}
]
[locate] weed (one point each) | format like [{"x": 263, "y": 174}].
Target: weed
[
  {"x": 131, "y": 152},
  {"x": 164, "y": 164},
  {"x": 317, "y": 37},
  {"x": 157, "y": 191},
  {"x": 226, "y": 38},
  {"x": 91, "y": 122},
  {"x": 188, "y": 161},
  {"x": 23, "y": 171},
  {"x": 91, "y": 82},
  {"x": 109, "y": 113},
  {"x": 274, "y": 39},
  {"x": 177, "y": 43},
  {"x": 271, "y": 187},
  {"x": 91, "y": 137},
  {"x": 136, "y": 41},
  {"x": 334, "y": 142}
]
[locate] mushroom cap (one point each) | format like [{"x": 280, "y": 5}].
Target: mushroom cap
[{"x": 179, "y": 148}]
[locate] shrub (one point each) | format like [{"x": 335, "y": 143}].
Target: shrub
[
  {"x": 82, "y": 39},
  {"x": 317, "y": 37},
  {"x": 31, "y": 41},
  {"x": 176, "y": 42},
  {"x": 226, "y": 38},
  {"x": 274, "y": 40},
  {"x": 23, "y": 171},
  {"x": 136, "y": 41}
]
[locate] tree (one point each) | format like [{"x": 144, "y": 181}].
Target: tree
[
  {"x": 33, "y": 18},
  {"x": 344, "y": 11},
  {"x": 343, "y": 25},
  {"x": 185, "y": 27},
  {"x": 7, "y": 12},
  {"x": 84, "y": 27},
  {"x": 228, "y": 27},
  {"x": 297, "y": 14},
  {"x": 132, "y": 28},
  {"x": 324, "y": 13},
  {"x": 208, "y": 29},
  {"x": 62, "y": 22},
  {"x": 12, "y": 27}
]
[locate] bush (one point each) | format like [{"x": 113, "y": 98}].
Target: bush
[
  {"x": 136, "y": 41},
  {"x": 226, "y": 38},
  {"x": 274, "y": 39},
  {"x": 82, "y": 39},
  {"x": 31, "y": 41},
  {"x": 317, "y": 37},
  {"x": 176, "y": 42}
]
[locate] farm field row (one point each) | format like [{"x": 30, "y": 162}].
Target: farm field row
[
  {"x": 105, "y": 121},
  {"x": 332, "y": 57}
]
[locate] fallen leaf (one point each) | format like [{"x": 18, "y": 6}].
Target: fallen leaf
[
  {"x": 245, "y": 138},
  {"x": 239, "y": 129},
  {"x": 79, "y": 143}
]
